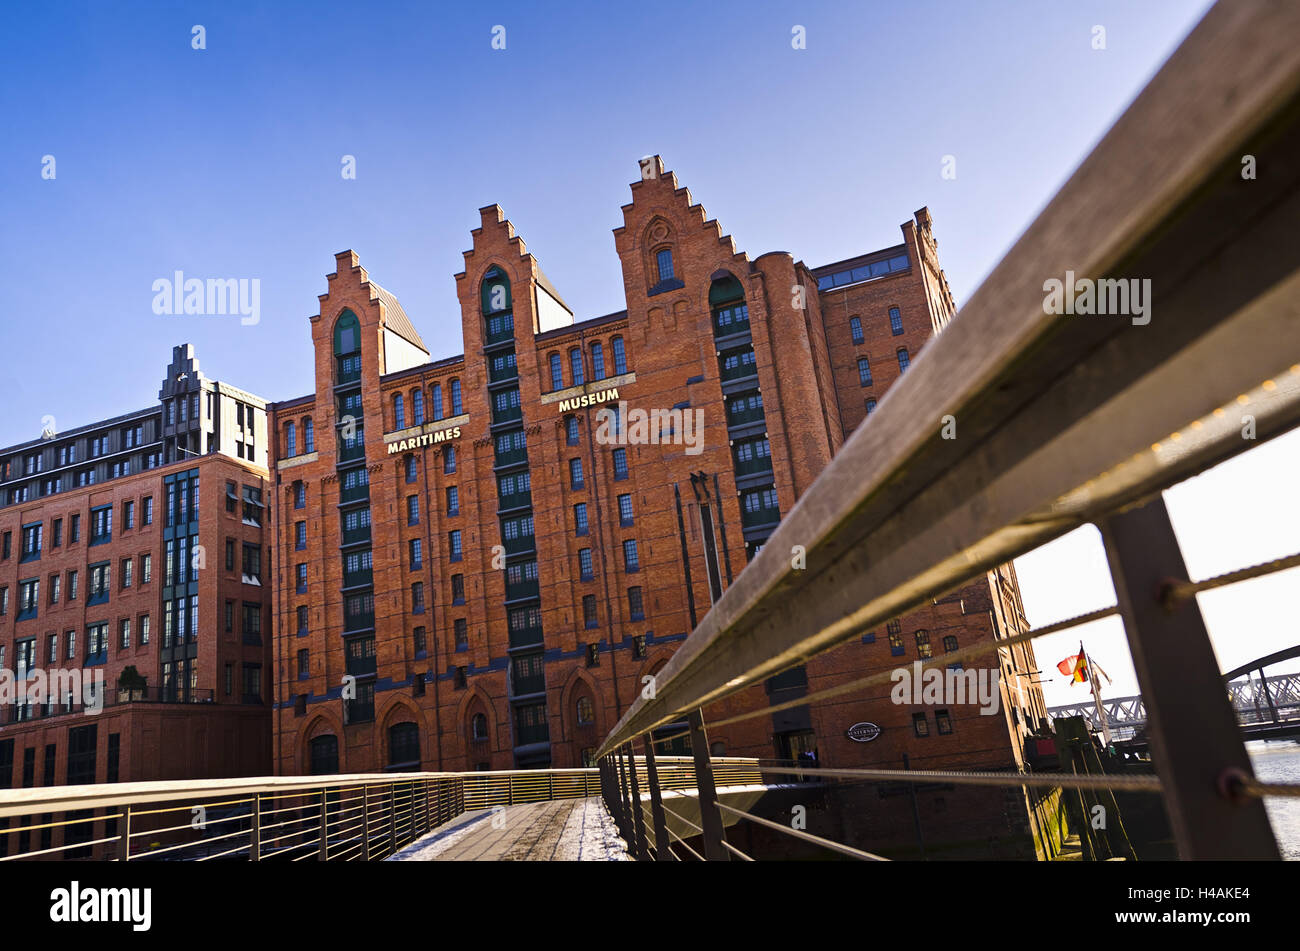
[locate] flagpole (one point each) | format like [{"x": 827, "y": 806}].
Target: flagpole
[{"x": 1096, "y": 696}]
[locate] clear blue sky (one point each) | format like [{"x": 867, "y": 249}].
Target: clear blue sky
[{"x": 226, "y": 162}]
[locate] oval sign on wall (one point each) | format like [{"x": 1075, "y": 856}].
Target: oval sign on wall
[{"x": 863, "y": 732}]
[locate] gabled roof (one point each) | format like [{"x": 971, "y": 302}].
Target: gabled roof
[{"x": 396, "y": 319}]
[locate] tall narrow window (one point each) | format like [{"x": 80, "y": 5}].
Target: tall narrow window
[
  {"x": 575, "y": 366},
  {"x": 436, "y": 392},
  {"x": 597, "y": 362},
  {"x": 855, "y": 328},
  {"x": 290, "y": 439},
  {"x": 417, "y": 406},
  {"x": 456, "y": 407},
  {"x": 557, "y": 372},
  {"x": 399, "y": 412},
  {"x": 664, "y": 261},
  {"x": 864, "y": 372},
  {"x": 904, "y": 361},
  {"x": 895, "y": 321},
  {"x": 620, "y": 355},
  {"x": 308, "y": 436}
]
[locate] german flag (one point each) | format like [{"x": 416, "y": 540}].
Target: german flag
[{"x": 1076, "y": 668}]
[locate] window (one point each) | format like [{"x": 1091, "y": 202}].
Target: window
[
  {"x": 949, "y": 644},
  {"x": 300, "y": 536},
  {"x": 571, "y": 430},
  {"x": 417, "y": 597},
  {"x": 895, "y": 321},
  {"x": 412, "y": 510},
  {"x": 101, "y": 525},
  {"x": 457, "y": 589},
  {"x": 290, "y": 439},
  {"x": 584, "y": 564},
  {"x": 124, "y": 633},
  {"x": 72, "y": 585},
  {"x": 589, "y": 610},
  {"x": 100, "y": 582},
  {"x": 146, "y": 568},
  {"x": 586, "y": 711},
  {"x": 664, "y": 263},
  {"x": 126, "y": 572},
  {"x": 576, "y": 367},
  {"x": 253, "y": 683},
  {"x": 417, "y": 406},
  {"x": 299, "y": 494},
  {"x": 620, "y": 464},
  {"x": 454, "y": 545},
  {"x": 399, "y": 412},
  {"x": 54, "y": 588},
  {"x": 52, "y": 649},
  {"x": 855, "y": 328},
  {"x": 461, "y": 628},
  {"x": 144, "y": 629},
  {"x": 923, "y": 644},
  {"x": 31, "y": 542},
  {"x": 557, "y": 372},
  {"x": 635, "y": 606},
  {"x": 300, "y": 571},
  {"x": 580, "y": 518},
  {"x": 453, "y": 500},
  {"x": 417, "y": 554},
  {"x": 304, "y": 664},
  {"x": 412, "y": 469},
  {"x": 620, "y": 356},
  {"x": 942, "y": 722},
  {"x": 625, "y": 510},
  {"x": 403, "y": 744},
  {"x": 871, "y": 406},
  {"x": 904, "y": 361},
  {"x": 631, "y": 560},
  {"x": 229, "y": 617},
  {"x": 593, "y": 655},
  {"x": 639, "y": 647},
  {"x": 252, "y": 568},
  {"x": 301, "y": 612},
  {"x": 436, "y": 395},
  {"x": 308, "y": 436},
  {"x": 597, "y": 362},
  {"x": 97, "y": 642},
  {"x": 575, "y": 473},
  {"x": 456, "y": 406},
  {"x": 232, "y": 498},
  {"x": 147, "y": 515},
  {"x": 920, "y": 725},
  {"x": 57, "y": 531},
  {"x": 895, "y": 631},
  {"x": 478, "y": 727},
  {"x": 864, "y": 372},
  {"x": 449, "y": 460}
]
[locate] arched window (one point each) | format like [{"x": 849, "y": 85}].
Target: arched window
[
  {"x": 437, "y": 401},
  {"x": 308, "y": 436},
  {"x": 399, "y": 412},
  {"x": 575, "y": 363},
  {"x": 664, "y": 262},
  {"x": 403, "y": 744},
  {"x": 727, "y": 304},
  {"x": 904, "y": 361},
  {"x": 586, "y": 711},
  {"x": 497, "y": 306},
  {"x": 456, "y": 406},
  {"x": 417, "y": 405},
  {"x": 597, "y": 362},
  {"x": 620, "y": 356},
  {"x": 557, "y": 372},
  {"x": 478, "y": 727},
  {"x": 324, "y": 755},
  {"x": 290, "y": 439},
  {"x": 347, "y": 348}
]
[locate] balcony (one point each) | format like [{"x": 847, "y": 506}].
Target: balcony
[
  {"x": 538, "y": 733},
  {"x": 738, "y": 372},
  {"x": 362, "y": 576},
  {"x": 361, "y": 666},
  {"x": 526, "y": 636},
  {"x": 348, "y": 370},
  {"x": 752, "y": 466},
  {"x": 359, "y": 621},
  {"x": 357, "y": 493},
  {"x": 762, "y": 517},
  {"x": 510, "y": 414},
  {"x": 522, "y": 589},
  {"x": 510, "y": 372},
  {"x": 511, "y": 457},
  {"x": 515, "y": 500},
  {"x": 517, "y": 546},
  {"x": 745, "y": 416},
  {"x": 352, "y": 536},
  {"x": 358, "y": 711},
  {"x": 351, "y": 452}
]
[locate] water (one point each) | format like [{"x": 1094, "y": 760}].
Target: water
[{"x": 1279, "y": 761}]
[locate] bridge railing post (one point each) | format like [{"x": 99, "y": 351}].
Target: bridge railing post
[
  {"x": 662, "y": 850},
  {"x": 710, "y": 816},
  {"x": 322, "y": 850},
  {"x": 638, "y": 813},
  {"x": 1195, "y": 740},
  {"x": 255, "y": 830}
]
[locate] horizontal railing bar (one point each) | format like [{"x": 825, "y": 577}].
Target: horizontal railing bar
[
  {"x": 807, "y": 836},
  {"x": 1140, "y": 783},
  {"x": 59, "y": 848}
]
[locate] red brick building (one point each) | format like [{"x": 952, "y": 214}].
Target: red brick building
[
  {"x": 132, "y": 548},
  {"x": 476, "y": 567}
]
